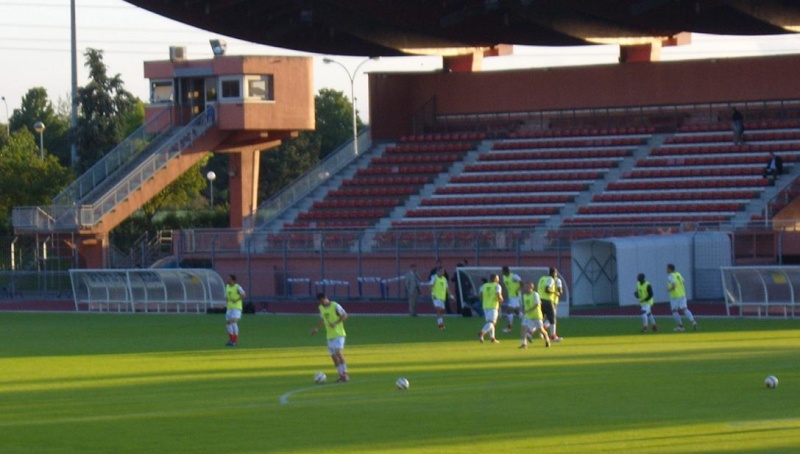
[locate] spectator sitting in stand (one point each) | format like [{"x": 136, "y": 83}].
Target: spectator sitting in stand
[{"x": 773, "y": 168}]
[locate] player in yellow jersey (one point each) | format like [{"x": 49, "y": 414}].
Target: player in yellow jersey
[
  {"x": 677, "y": 298},
  {"x": 532, "y": 318},
  {"x": 644, "y": 293},
  {"x": 549, "y": 289},
  {"x": 491, "y": 296},
  {"x": 513, "y": 285},
  {"x": 234, "y": 293},
  {"x": 332, "y": 316},
  {"x": 440, "y": 295}
]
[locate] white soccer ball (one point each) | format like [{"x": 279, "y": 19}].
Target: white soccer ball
[
  {"x": 771, "y": 382},
  {"x": 320, "y": 378},
  {"x": 402, "y": 384}
]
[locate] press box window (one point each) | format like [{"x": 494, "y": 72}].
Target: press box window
[
  {"x": 231, "y": 88},
  {"x": 161, "y": 91},
  {"x": 261, "y": 88}
]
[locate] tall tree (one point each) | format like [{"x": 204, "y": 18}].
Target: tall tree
[
  {"x": 36, "y": 106},
  {"x": 105, "y": 111},
  {"x": 334, "y": 117}
]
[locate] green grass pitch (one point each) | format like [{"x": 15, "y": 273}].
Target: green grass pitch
[{"x": 107, "y": 383}]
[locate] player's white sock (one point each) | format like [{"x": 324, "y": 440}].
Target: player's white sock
[
  {"x": 553, "y": 330},
  {"x": 652, "y": 319},
  {"x": 229, "y": 328},
  {"x": 689, "y": 315},
  {"x": 440, "y": 321},
  {"x": 510, "y": 319},
  {"x": 644, "y": 319},
  {"x": 235, "y": 327},
  {"x": 677, "y": 317}
]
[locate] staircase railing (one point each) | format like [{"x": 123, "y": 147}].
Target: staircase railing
[
  {"x": 90, "y": 215},
  {"x": 144, "y": 252},
  {"x": 124, "y": 152},
  {"x": 71, "y": 217},
  {"x": 310, "y": 180}
]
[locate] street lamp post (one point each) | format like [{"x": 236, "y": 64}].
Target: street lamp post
[
  {"x": 8, "y": 125},
  {"x": 211, "y": 177},
  {"x": 352, "y": 77},
  {"x": 39, "y": 127}
]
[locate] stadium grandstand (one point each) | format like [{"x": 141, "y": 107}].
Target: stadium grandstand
[{"x": 512, "y": 167}]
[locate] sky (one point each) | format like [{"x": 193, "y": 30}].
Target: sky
[{"x": 35, "y": 50}]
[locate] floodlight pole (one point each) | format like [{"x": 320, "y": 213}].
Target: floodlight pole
[{"x": 73, "y": 117}]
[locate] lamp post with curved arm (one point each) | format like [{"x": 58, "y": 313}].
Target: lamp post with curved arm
[{"x": 352, "y": 77}]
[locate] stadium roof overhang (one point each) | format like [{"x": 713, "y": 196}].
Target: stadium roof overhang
[{"x": 449, "y": 27}]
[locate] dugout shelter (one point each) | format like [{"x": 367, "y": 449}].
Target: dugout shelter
[
  {"x": 604, "y": 270},
  {"x": 147, "y": 290}
]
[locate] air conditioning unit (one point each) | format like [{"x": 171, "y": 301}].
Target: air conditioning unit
[{"x": 177, "y": 53}]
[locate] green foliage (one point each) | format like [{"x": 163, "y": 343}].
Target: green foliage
[
  {"x": 4, "y": 136},
  {"x": 181, "y": 193},
  {"x": 28, "y": 180},
  {"x": 334, "y": 126},
  {"x": 135, "y": 118},
  {"x": 281, "y": 165},
  {"x": 36, "y": 106},
  {"x": 125, "y": 235},
  {"x": 334, "y": 118},
  {"x": 164, "y": 383},
  {"x": 106, "y": 111}
]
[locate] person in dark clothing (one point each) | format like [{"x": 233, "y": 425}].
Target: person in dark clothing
[
  {"x": 737, "y": 123},
  {"x": 467, "y": 300},
  {"x": 773, "y": 168}
]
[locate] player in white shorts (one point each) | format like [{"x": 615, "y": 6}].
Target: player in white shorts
[
  {"x": 491, "y": 296},
  {"x": 332, "y": 316},
  {"x": 677, "y": 298},
  {"x": 532, "y": 318},
  {"x": 513, "y": 285}
]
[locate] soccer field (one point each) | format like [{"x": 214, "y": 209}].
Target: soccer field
[{"x": 138, "y": 383}]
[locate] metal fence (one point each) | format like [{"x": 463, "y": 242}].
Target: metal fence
[{"x": 349, "y": 263}]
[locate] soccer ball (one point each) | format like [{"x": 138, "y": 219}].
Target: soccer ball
[
  {"x": 402, "y": 384},
  {"x": 320, "y": 378},
  {"x": 771, "y": 382}
]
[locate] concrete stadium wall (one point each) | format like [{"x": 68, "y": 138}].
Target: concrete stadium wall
[{"x": 396, "y": 97}]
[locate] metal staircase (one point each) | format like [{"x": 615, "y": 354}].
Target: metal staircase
[{"x": 99, "y": 191}]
